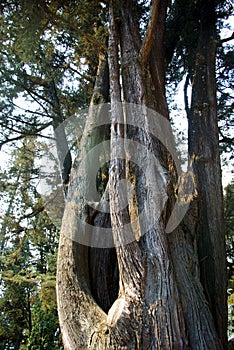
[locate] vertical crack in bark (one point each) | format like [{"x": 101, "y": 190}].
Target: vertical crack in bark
[{"x": 103, "y": 267}]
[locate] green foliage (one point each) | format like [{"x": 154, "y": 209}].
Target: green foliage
[
  {"x": 13, "y": 317},
  {"x": 182, "y": 32},
  {"x": 47, "y": 49},
  {"x": 28, "y": 259},
  {"x": 45, "y": 332}
]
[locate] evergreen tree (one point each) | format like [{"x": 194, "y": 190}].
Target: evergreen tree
[
  {"x": 28, "y": 259},
  {"x": 159, "y": 291}
]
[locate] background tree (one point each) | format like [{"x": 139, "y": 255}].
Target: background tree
[
  {"x": 28, "y": 259},
  {"x": 228, "y": 206},
  {"x": 228, "y": 201}
]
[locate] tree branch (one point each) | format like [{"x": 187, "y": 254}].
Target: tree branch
[
  {"x": 24, "y": 134},
  {"x": 44, "y": 115},
  {"x": 226, "y": 39},
  {"x": 186, "y": 103},
  {"x": 225, "y": 139},
  {"x": 150, "y": 31},
  {"x": 54, "y": 16}
]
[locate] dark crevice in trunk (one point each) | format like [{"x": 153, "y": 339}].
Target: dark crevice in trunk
[
  {"x": 102, "y": 262},
  {"x": 103, "y": 266},
  {"x": 104, "y": 276}
]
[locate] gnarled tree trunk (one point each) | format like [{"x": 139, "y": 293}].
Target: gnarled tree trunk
[{"x": 158, "y": 301}]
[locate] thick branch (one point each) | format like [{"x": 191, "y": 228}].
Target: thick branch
[{"x": 150, "y": 32}]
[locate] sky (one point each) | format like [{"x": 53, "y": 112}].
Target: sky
[{"x": 181, "y": 124}]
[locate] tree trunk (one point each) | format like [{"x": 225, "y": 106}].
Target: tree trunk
[
  {"x": 204, "y": 150},
  {"x": 160, "y": 302}
]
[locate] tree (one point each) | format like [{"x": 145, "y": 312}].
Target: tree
[
  {"x": 228, "y": 206},
  {"x": 28, "y": 259},
  {"x": 153, "y": 289},
  {"x": 202, "y": 118},
  {"x": 228, "y": 201}
]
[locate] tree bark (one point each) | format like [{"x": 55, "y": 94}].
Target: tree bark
[
  {"x": 204, "y": 150},
  {"x": 160, "y": 302}
]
